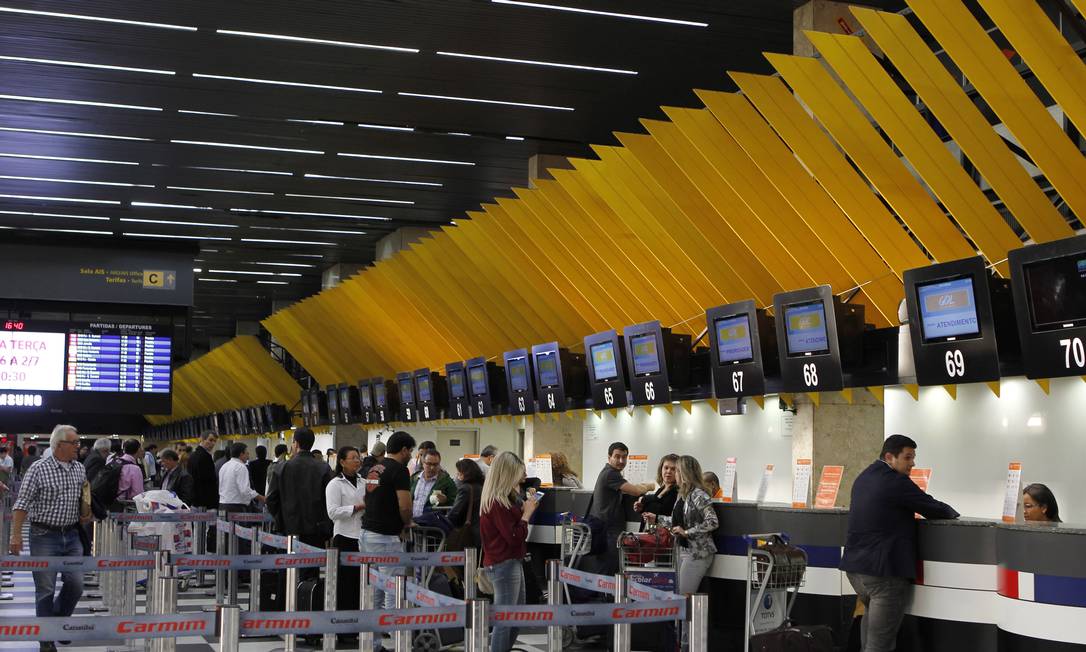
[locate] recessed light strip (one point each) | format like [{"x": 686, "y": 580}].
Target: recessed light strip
[
  {"x": 83, "y": 231},
  {"x": 70, "y": 159},
  {"x": 286, "y": 228},
  {"x": 390, "y": 181},
  {"x": 330, "y": 123},
  {"x": 236, "y": 192},
  {"x": 54, "y": 100},
  {"x": 304, "y": 265},
  {"x": 216, "y": 280},
  {"x": 174, "y": 237},
  {"x": 596, "y": 12},
  {"x": 480, "y": 100},
  {"x": 213, "y": 225},
  {"x": 301, "y": 242},
  {"x": 377, "y": 200},
  {"x": 82, "y": 134},
  {"x": 279, "y": 82},
  {"x": 100, "y": 19},
  {"x": 149, "y": 204},
  {"x": 64, "y": 215},
  {"x": 283, "y": 174},
  {"x": 367, "y": 125},
  {"x": 13, "y": 177},
  {"x": 80, "y": 64},
  {"x": 317, "y": 41},
  {"x": 408, "y": 159},
  {"x": 62, "y": 199},
  {"x": 212, "y": 113},
  {"x": 533, "y": 62},
  {"x": 310, "y": 214},
  {"x": 241, "y": 146},
  {"x": 237, "y": 271}
]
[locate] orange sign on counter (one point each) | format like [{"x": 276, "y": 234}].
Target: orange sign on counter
[{"x": 828, "y": 486}]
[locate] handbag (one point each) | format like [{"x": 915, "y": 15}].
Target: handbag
[
  {"x": 463, "y": 537},
  {"x": 85, "y": 501},
  {"x": 646, "y": 547}
]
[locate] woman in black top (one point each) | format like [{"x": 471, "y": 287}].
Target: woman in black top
[
  {"x": 662, "y": 501},
  {"x": 470, "y": 488}
]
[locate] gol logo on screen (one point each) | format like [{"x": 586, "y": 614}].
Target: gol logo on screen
[
  {"x": 947, "y": 301},
  {"x": 159, "y": 279}
]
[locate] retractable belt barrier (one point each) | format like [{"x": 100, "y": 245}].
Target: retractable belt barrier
[
  {"x": 348, "y": 622},
  {"x": 245, "y": 562},
  {"x": 306, "y": 548},
  {"x": 404, "y": 558},
  {"x": 643, "y": 593},
  {"x": 589, "y": 581},
  {"x": 249, "y": 517},
  {"x": 99, "y": 628},
  {"x": 59, "y": 564},
  {"x": 164, "y": 517},
  {"x": 415, "y": 593},
  {"x": 273, "y": 540},
  {"x": 245, "y": 533},
  {"x": 588, "y": 614}
]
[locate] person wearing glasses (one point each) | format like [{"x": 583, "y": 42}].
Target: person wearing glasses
[
  {"x": 1039, "y": 504},
  {"x": 50, "y": 498}
]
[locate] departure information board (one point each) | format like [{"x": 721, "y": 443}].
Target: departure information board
[{"x": 118, "y": 362}]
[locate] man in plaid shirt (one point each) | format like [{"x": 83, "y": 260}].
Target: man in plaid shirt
[{"x": 50, "y": 496}]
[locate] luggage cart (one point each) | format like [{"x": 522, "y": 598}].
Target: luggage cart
[
  {"x": 775, "y": 574},
  {"x": 430, "y": 539},
  {"x": 645, "y": 559},
  {"x": 576, "y": 543}
]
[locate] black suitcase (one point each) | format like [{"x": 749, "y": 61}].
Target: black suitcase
[
  {"x": 439, "y": 638},
  {"x": 792, "y": 638},
  {"x": 311, "y": 595},
  {"x": 273, "y": 590}
]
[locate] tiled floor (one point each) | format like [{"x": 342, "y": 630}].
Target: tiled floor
[{"x": 192, "y": 600}]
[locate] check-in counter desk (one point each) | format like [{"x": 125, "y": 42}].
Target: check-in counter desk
[{"x": 981, "y": 585}]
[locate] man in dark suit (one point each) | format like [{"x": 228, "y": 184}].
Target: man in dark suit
[
  {"x": 96, "y": 459},
  {"x": 175, "y": 478},
  {"x": 258, "y": 470},
  {"x": 296, "y": 493},
  {"x": 205, "y": 480},
  {"x": 880, "y": 549}
]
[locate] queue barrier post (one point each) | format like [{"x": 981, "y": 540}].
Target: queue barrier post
[
  {"x": 622, "y": 630},
  {"x": 401, "y": 638},
  {"x": 698, "y": 613},
  {"x": 290, "y": 600},
  {"x": 471, "y": 563},
  {"x": 478, "y": 617},
  {"x": 167, "y": 604},
  {"x": 365, "y": 603},
  {"x": 554, "y": 598},
  {"x": 254, "y": 576},
  {"x": 220, "y": 548},
  {"x": 6, "y": 580},
  {"x": 200, "y": 542},
  {"x": 331, "y": 582},
  {"x": 229, "y": 628},
  {"x": 232, "y": 575}
]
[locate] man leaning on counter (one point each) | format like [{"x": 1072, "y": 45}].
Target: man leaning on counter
[{"x": 880, "y": 549}]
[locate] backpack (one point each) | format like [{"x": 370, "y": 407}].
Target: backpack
[{"x": 106, "y": 485}]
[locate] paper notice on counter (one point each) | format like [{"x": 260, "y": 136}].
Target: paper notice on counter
[
  {"x": 801, "y": 483},
  {"x": 828, "y": 486},
  {"x": 729, "y": 483},
  {"x": 921, "y": 477},
  {"x": 540, "y": 467},
  {"x": 1012, "y": 492},
  {"x": 763, "y": 486},
  {"x": 637, "y": 469}
]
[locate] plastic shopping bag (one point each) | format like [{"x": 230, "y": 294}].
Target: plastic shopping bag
[{"x": 175, "y": 537}]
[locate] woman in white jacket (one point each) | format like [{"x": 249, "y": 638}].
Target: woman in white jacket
[{"x": 345, "y": 500}]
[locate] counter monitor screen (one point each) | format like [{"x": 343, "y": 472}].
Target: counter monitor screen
[
  {"x": 380, "y": 394},
  {"x": 344, "y": 397},
  {"x": 805, "y": 327},
  {"x": 456, "y": 384},
  {"x": 947, "y": 309},
  {"x": 477, "y": 376},
  {"x": 547, "y": 366},
  {"x": 645, "y": 360},
  {"x": 1057, "y": 291},
  {"x": 425, "y": 394},
  {"x": 604, "y": 364},
  {"x": 733, "y": 339},
  {"x": 367, "y": 402},
  {"x": 518, "y": 374},
  {"x": 407, "y": 392}
]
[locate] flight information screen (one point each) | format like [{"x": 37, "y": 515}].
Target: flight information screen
[
  {"x": 645, "y": 359},
  {"x": 604, "y": 364},
  {"x": 733, "y": 339},
  {"x": 805, "y": 326},
  {"x": 477, "y": 376},
  {"x": 456, "y": 384},
  {"x": 425, "y": 393},
  {"x": 407, "y": 391},
  {"x": 518, "y": 374},
  {"x": 546, "y": 365},
  {"x": 948, "y": 309},
  {"x": 31, "y": 360}
]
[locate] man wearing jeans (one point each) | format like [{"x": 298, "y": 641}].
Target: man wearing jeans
[
  {"x": 388, "y": 508},
  {"x": 50, "y": 495},
  {"x": 880, "y": 550}
]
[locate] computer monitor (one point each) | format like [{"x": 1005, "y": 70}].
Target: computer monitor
[
  {"x": 948, "y": 309},
  {"x": 547, "y": 368},
  {"x": 407, "y": 390},
  {"x": 604, "y": 361},
  {"x": 733, "y": 339},
  {"x": 518, "y": 373},
  {"x": 805, "y": 328},
  {"x": 380, "y": 394},
  {"x": 477, "y": 378},
  {"x": 425, "y": 391},
  {"x": 1056, "y": 292},
  {"x": 456, "y": 385},
  {"x": 646, "y": 359}
]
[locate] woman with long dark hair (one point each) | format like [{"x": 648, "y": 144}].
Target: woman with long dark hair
[
  {"x": 1039, "y": 504},
  {"x": 469, "y": 493},
  {"x": 345, "y": 499}
]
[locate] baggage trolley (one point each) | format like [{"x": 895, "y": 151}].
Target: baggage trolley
[
  {"x": 644, "y": 559},
  {"x": 430, "y": 539},
  {"x": 775, "y": 574},
  {"x": 576, "y": 543}
]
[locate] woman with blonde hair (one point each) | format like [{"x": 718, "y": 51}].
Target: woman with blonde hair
[
  {"x": 563, "y": 475},
  {"x": 503, "y": 526},
  {"x": 693, "y": 521}
]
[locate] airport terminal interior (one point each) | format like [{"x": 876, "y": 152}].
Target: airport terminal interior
[{"x": 490, "y": 325}]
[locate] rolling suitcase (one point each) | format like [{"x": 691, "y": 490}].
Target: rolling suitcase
[
  {"x": 792, "y": 638},
  {"x": 273, "y": 590},
  {"x": 311, "y": 598}
]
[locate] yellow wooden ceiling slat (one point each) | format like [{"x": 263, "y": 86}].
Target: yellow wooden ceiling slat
[
  {"x": 729, "y": 262},
  {"x": 596, "y": 305},
  {"x": 808, "y": 199},
  {"x": 833, "y": 171},
  {"x": 965, "y": 123},
  {"x": 617, "y": 244},
  {"x": 852, "y": 131},
  {"x": 656, "y": 217},
  {"x": 1008, "y": 95},
  {"x": 411, "y": 285},
  {"x": 408, "y": 342},
  {"x": 874, "y": 88},
  {"x": 651, "y": 162},
  {"x": 284, "y": 326},
  {"x": 348, "y": 347},
  {"x": 543, "y": 263}
]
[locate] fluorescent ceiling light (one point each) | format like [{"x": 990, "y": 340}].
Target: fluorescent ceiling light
[
  {"x": 178, "y": 223},
  {"x": 307, "y": 255},
  {"x": 83, "y": 134},
  {"x": 80, "y": 64},
  {"x": 366, "y": 125},
  {"x": 63, "y": 199},
  {"x": 70, "y": 159},
  {"x": 366, "y": 199},
  {"x": 286, "y": 228},
  {"x": 305, "y": 265},
  {"x": 240, "y": 146},
  {"x": 283, "y": 174},
  {"x": 196, "y": 270},
  {"x": 174, "y": 237},
  {"x": 279, "y": 82},
  {"x": 79, "y": 181},
  {"x": 533, "y": 62},
  {"x": 84, "y": 231},
  {"x": 331, "y": 123},
  {"x": 479, "y": 100},
  {"x": 409, "y": 159},
  {"x": 596, "y": 12},
  {"x": 100, "y": 19},
  {"x": 514, "y": 137},
  {"x": 151, "y": 204},
  {"x": 217, "y": 280},
  {"x": 219, "y": 115},
  {"x": 236, "y": 192},
  {"x": 393, "y": 181},
  {"x": 301, "y": 242},
  {"x": 317, "y": 41},
  {"x": 273, "y": 283},
  {"x": 308, "y": 214},
  {"x": 65, "y": 215},
  {"x": 238, "y": 271},
  {"x": 54, "y": 100},
  {"x": 457, "y": 133}
]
